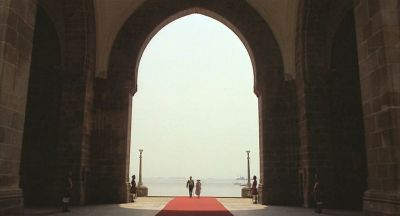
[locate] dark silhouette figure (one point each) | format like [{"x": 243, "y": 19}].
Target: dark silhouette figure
[
  {"x": 67, "y": 189},
  {"x": 198, "y": 188},
  {"x": 190, "y": 185},
  {"x": 254, "y": 190},
  {"x": 317, "y": 195},
  {"x": 132, "y": 191}
]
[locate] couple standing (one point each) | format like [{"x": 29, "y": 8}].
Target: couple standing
[{"x": 190, "y": 186}]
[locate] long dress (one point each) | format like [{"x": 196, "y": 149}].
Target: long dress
[
  {"x": 254, "y": 188},
  {"x": 198, "y": 188},
  {"x": 133, "y": 186}
]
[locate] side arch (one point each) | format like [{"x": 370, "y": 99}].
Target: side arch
[
  {"x": 39, "y": 145},
  {"x": 324, "y": 85},
  {"x": 59, "y": 102}
]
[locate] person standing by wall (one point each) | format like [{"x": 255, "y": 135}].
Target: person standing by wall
[
  {"x": 67, "y": 189},
  {"x": 254, "y": 190},
  {"x": 190, "y": 186},
  {"x": 132, "y": 191},
  {"x": 317, "y": 195}
]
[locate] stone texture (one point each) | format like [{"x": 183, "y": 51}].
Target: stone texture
[
  {"x": 280, "y": 147},
  {"x": 13, "y": 94},
  {"x": 330, "y": 120},
  {"x": 382, "y": 128},
  {"x": 338, "y": 117},
  {"x": 39, "y": 152},
  {"x": 59, "y": 120}
]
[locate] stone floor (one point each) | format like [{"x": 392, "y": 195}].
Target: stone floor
[{"x": 149, "y": 206}]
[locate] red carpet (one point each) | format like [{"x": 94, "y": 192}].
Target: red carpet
[{"x": 185, "y": 206}]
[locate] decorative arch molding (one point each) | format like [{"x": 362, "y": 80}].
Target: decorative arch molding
[
  {"x": 310, "y": 37},
  {"x": 316, "y": 28},
  {"x": 202, "y": 11},
  {"x": 54, "y": 12},
  {"x": 139, "y": 28},
  {"x": 340, "y": 12}
]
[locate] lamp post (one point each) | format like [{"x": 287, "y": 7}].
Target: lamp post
[
  {"x": 141, "y": 189},
  {"x": 246, "y": 191},
  {"x": 140, "y": 168},
  {"x": 248, "y": 168}
]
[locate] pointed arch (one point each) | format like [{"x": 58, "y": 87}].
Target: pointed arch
[
  {"x": 135, "y": 33},
  {"x": 113, "y": 93}
]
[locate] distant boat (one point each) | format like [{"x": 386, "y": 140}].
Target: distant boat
[
  {"x": 242, "y": 181},
  {"x": 239, "y": 184}
]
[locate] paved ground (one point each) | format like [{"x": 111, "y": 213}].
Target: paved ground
[{"x": 149, "y": 206}]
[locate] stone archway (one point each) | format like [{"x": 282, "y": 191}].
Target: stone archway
[
  {"x": 58, "y": 106},
  {"x": 72, "y": 107},
  {"x": 328, "y": 88},
  {"x": 112, "y": 102}
]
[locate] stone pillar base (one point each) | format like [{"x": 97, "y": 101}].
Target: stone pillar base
[
  {"x": 381, "y": 203},
  {"x": 142, "y": 191},
  {"x": 246, "y": 192},
  {"x": 11, "y": 201}
]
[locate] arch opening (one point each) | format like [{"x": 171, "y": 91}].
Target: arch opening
[
  {"x": 195, "y": 90},
  {"x": 113, "y": 97},
  {"x": 199, "y": 11}
]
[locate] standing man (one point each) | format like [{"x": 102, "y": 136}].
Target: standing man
[
  {"x": 190, "y": 185},
  {"x": 254, "y": 192}
]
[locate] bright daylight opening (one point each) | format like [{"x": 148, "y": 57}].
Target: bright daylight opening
[{"x": 195, "y": 112}]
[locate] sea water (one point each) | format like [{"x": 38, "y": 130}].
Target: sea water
[{"x": 176, "y": 186}]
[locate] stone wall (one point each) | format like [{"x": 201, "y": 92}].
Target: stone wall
[
  {"x": 346, "y": 118},
  {"x": 39, "y": 159},
  {"x": 17, "y": 19},
  {"x": 305, "y": 123},
  {"x": 378, "y": 43},
  {"x": 330, "y": 123},
  {"x": 279, "y": 133},
  {"x": 313, "y": 99},
  {"x": 110, "y": 142},
  {"x": 57, "y": 138}
]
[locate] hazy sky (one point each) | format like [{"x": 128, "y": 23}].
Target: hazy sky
[{"x": 195, "y": 112}]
